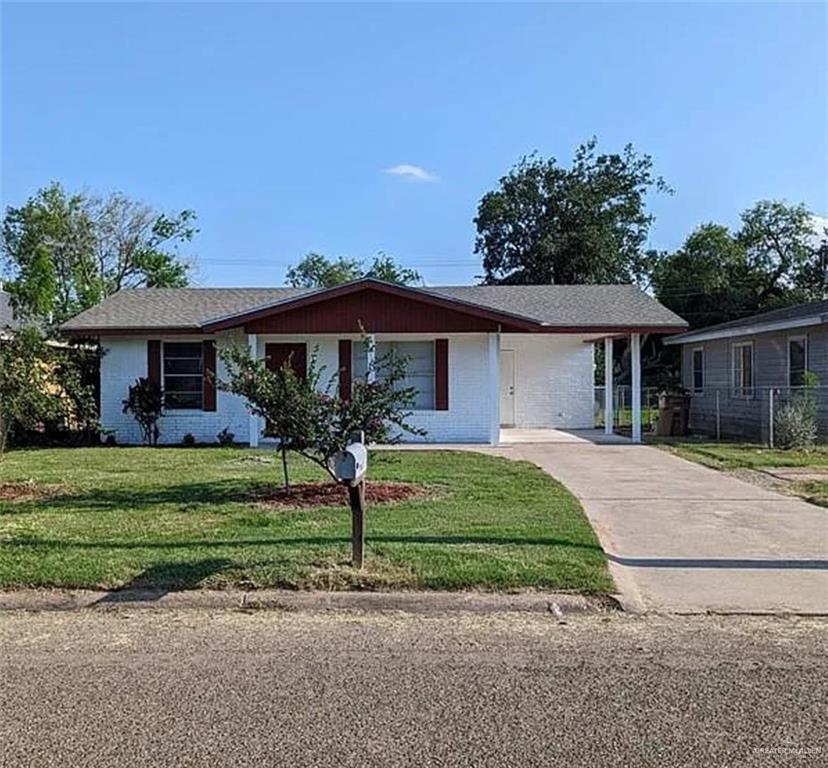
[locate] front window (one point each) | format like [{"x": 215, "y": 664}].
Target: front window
[
  {"x": 419, "y": 370},
  {"x": 743, "y": 369},
  {"x": 797, "y": 360},
  {"x": 183, "y": 375},
  {"x": 698, "y": 369}
]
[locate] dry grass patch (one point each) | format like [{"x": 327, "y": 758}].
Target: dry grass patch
[{"x": 29, "y": 491}]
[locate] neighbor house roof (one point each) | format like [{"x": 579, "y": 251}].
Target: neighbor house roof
[
  {"x": 798, "y": 316},
  {"x": 536, "y": 306}
]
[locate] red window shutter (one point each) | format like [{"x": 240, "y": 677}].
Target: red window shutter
[
  {"x": 209, "y": 356},
  {"x": 154, "y": 361},
  {"x": 441, "y": 375},
  {"x": 345, "y": 369}
]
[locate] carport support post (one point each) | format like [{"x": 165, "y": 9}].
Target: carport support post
[
  {"x": 635, "y": 351},
  {"x": 494, "y": 388},
  {"x": 608, "y": 386}
]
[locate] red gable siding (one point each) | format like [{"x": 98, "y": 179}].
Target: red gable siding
[{"x": 377, "y": 312}]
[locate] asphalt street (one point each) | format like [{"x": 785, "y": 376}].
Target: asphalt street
[{"x": 273, "y": 688}]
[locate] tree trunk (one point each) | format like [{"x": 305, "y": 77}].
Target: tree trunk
[{"x": 284, "y": 464}]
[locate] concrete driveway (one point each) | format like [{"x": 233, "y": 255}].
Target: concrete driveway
[{"x": 684, "y": 538}]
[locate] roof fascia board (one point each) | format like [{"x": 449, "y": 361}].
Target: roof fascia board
[
  {"x": 747, "y": 330},
  {"x": 130, "y": 331}
]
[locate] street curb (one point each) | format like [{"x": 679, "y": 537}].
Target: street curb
[{"x": 422, "y": 603}]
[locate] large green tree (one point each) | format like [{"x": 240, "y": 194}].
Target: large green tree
[
  {"x": 546, "y": 223},
  {"x": 776, "y": 257},
  {"x": 66, "y": 251},
  {"x": 318, "y": 271}
]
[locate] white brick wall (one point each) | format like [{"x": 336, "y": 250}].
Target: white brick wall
[
  {"x": 126, "y": 359},
  {"x": 466, "y": 420},
  {"x": 554, "y": 380}
]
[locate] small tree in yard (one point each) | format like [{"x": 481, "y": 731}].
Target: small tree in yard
[
  {"x": 309, "y": 416},
  {"x": 146, "y": 403},
  {"x": 28, "y": 386}
]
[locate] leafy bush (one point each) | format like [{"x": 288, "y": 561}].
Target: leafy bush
[
  {"x": 146, "y": 403},
  {"x": 794, "y": 427},
  {"x": 188, "y": 440},
  {"x": 110, "y": 440},
  {"x": 77, "y": 369},
  {"x": 29, "y": 389},
  {"x": 795, "y": 424},
  {"x": 225, "y": 437}
]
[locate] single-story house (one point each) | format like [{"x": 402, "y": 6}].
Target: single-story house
[
  {"x": 739, "y": 372},
  {"x": 482, "y": 357}
]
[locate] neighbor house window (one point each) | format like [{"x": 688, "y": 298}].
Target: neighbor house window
[
  {"x": 797, "y": 360},
  {"x": 743, "y": 369},
  {"x": 698, "y": 369},
  {"x": 419, "y": 371},
  {"x": 183, "y": 375}
]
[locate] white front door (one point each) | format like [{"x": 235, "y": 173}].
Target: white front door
[{"x": 507, "y": 387}]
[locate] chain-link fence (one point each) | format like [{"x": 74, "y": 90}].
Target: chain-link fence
[
  {"x": 622, "y": 407},
  {"x": 755, "y": 414}
]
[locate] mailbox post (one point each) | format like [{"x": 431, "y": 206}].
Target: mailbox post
[
  {"x": 350, "y": 466},
  {"x": 356, "y": 497}
]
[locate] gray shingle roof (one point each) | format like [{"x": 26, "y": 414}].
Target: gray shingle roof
[
  {"x": 811, "y": 310},
  {"x": 175, "y": 307},
  {"x": 569, "y": 305},
  {"x": 557, "y": 305}
]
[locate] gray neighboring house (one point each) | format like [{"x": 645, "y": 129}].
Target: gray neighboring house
[
  {"x": 746, "y": 369},
  {"x": 6, "y": 313}
]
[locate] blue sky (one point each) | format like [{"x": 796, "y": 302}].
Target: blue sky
[{"x": 277, "y": 123}]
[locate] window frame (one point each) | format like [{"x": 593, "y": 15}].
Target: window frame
[
  {"x": 693, "y": 369},
  {"x": 739, "y": 390},
  {"x": 803, "y": 337},
  {"x": 200, "y": 375},
  {"x": 356, "y": 350}
]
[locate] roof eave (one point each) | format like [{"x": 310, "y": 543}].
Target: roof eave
[
  {"x": 713, "y": 334},
  {"x": 98, "y": 331}
]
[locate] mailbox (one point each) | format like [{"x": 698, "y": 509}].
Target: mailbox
[{"x": 350, "y": 464}]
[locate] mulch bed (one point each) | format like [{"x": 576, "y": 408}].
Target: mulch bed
[
  {"x": 332, "y": 495},
  {"x": 28, "y": 491}
]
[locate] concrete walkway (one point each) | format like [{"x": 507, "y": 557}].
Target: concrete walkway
[{"x": 684, "y": 538}]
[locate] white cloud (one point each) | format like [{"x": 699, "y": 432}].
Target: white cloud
[{"x": 411, "y": 172}]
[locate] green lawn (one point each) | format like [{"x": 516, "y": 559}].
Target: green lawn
[
  {"x": 181, "y": 518},
  {"x": 730, "y": 456},
  {"x": 746, "y": 456}
]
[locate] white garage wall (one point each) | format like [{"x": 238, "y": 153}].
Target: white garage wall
[{"x": 554, "y": 380}]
